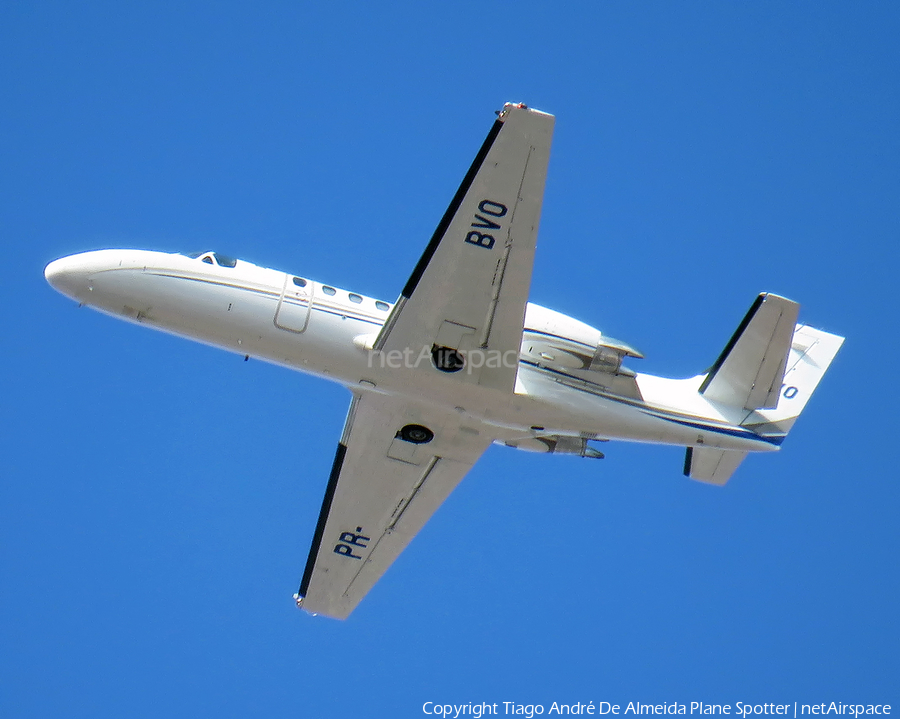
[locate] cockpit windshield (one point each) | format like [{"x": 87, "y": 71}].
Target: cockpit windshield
[{"x": 213, "y": 258}]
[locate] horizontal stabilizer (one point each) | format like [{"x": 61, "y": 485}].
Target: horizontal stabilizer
[
  {"x": 714, "y": 466},
  {"x": 750, "y": 371}
]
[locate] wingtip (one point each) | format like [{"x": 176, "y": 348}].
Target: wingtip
[{"x": 511, "y": 106}]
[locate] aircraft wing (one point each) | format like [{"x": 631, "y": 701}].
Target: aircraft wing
[
  {"x": 395, "y": 464},
  {"x": 465, "y": 300}
]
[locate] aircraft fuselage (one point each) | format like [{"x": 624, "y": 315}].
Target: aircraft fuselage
[{"x": 305, "y": 325}]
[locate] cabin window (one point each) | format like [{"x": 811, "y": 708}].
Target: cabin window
[
  {"x": 300, "y": 282},
  {"x": 208, "y": 260},
  {"x": 328, "y": 290},
  {"x": 355, "y": 298},
  {"x": 383, "y": 306}
]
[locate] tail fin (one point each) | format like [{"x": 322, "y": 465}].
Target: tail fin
[
  {"x": 812, "y": 351},
  {"x": 771, "y": 367}
]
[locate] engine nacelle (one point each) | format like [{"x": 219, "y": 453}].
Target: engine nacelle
[
  {"x": 556, "y": 340},
  {"x": 556, "y": 444}
]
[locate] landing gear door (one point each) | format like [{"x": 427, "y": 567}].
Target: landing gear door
[{"x": 292, "y": 312}]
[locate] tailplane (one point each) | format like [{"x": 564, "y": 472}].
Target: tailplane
[
  {"x": 714, "y": 466},
  {"x": 750, "y": 370},
  {"x": 770, "y": 368}
]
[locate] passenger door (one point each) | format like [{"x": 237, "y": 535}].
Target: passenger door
[{"x": 294, "y": 305}]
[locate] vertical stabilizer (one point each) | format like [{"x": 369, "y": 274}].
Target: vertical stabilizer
[
  {"x": 770, "y": 367},
  {"x": 812, "y": 351}
]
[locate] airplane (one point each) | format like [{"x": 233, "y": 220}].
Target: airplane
[{"x": 460, "y": 361}]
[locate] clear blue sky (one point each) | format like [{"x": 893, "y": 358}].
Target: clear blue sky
[{"x": 157, "y": 498}]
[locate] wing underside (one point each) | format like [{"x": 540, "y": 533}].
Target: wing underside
[
  {"x": 396, "y": 463},
  {"x": 468, "y": 291},
  {"x": 400, "y": 457}
]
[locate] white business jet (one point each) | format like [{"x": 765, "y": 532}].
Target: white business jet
[{"x": 460, "y": 361}]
